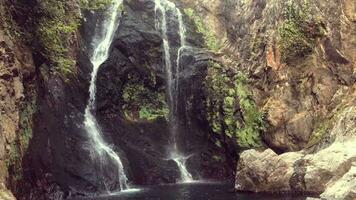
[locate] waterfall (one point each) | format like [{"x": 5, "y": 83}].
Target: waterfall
[
  {"x": 101, "y": 43},
  {"x": 162, "y": 7}
]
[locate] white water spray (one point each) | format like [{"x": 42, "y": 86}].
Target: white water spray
[
  {"x": 162, "y": 7},
  {"x": 101, "y": 43}
]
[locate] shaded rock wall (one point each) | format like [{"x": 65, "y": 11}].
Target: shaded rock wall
[
  {"x": 58, "y": 163},
  {"x": 137, "y": 58},
  {"x": 39, "y": 108}
]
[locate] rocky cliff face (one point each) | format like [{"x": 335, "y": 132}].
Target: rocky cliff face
[
  {"x": 17, "y": 105},
  {"x": 300, "y": 58},
  {"x": 131, "y": 102},
  {"x": 32, "y": 111}
]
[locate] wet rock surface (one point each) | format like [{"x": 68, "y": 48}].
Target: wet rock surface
[{"x": 137, "y": 49}]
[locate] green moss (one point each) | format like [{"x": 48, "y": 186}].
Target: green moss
[
  {"x": 229, "y": 96},
  {"x": 141, "y": 102},
  {"x": 297, "y": 34},
  {"x": 218, "y": 158},
  {"x": 209, "y": 38},
  {"x": 121, "y": 8},
  {"x": 26, "y": 121},
  {"x": 151, "y": 113},
  {"x": 49, "y": 27},
  {"x": 249, "y": 133}
]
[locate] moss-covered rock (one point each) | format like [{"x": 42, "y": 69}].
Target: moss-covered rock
[
  {"x": 143, "y": 103},
  {"x": 210, "y": 40},
  {"x": 298, "y": 32},
  {"x": 231, "y": 109},
  {"x": 52, "y": 30}
]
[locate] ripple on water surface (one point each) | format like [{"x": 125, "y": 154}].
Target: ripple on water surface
[{"x": 191, "y": 191}]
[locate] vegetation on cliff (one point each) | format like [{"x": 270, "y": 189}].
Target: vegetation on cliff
[
  {"x": 298, "y": 32},
  {"x": 94, "y": 4},
  {"x": 52, "y": 29},
  {"x": 210, "y": 40},
  {"x": 141, "y": 102},
  {"x": 231, "y": 109}
]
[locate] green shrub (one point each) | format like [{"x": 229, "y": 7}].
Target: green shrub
[
  {"x": 293, "y": 42},
  {"x": 324, "y": 126}
]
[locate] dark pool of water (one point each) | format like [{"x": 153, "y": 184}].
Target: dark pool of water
[{"x": 193, "y": 191}]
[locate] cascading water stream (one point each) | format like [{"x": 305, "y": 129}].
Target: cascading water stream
[
  {"x": 162, "y": 7},
  {"x": 101, "y": 43}
]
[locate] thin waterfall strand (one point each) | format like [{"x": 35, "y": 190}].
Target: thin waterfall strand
[
  {"x": 102, "y": 44},
  {"x": 163, "y": 6}
]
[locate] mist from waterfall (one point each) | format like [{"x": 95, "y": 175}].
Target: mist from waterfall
[
  {"x": 101, "y": 44},
  {"x": 162, "y": 9}
]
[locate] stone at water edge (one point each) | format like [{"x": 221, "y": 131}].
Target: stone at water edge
[
  {"x": 327, "y": 170},
  {"x": 265, "y": 171},
  {"x": 344, "y": 188}
]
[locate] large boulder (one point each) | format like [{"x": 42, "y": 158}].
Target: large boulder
[
  {"x": 265, "y": 171},
  {"x": 330, "y": 169}
]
